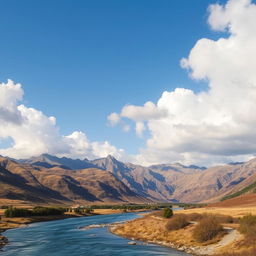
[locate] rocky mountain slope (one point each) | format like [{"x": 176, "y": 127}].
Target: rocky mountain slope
[
  {"x": 166, "y": 182},
  {"x": 54, "y": 185}
]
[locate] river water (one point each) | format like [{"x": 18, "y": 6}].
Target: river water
[{"x": 64, "y": 238}]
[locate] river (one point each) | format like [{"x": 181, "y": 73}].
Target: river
[{"x": 64, "y": 238}]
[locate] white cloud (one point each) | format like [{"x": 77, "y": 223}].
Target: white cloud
[
  {"x": 114, "y": 119},
  {"x": 214, "y": 125},
  {"x": 138, "y": 114},
  {"x": 10, "y": 94},
  {"x": 140, "y": 127},
  {"x": 34, "y": 133},
  {"x": 80, "y": 147}
]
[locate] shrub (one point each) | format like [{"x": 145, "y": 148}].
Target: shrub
[
  {"x": 177, "y": 222},
  {"x": 225, "y": 218},
  {"x": 36, "y": 211},
  {"x": 248, "y": 226},
  {"x": 46, "y": 211},
  {"x": 4, "y": 207},
  {"x": 207, "y": 229},
  {"x": 167, "y": 212},
  {"x": 17, "y": 212},
  {"x": 194, "y": 216},
  {"x": 219, "y": 217},
  {"x": 88, "y": 210}
]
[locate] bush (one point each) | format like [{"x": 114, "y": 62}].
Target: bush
[
  {"x": 46, "y": 211},
  {"x": 177, "y": 222},
  {"x": 194, "y": 216},
  {"x": 248, "y": 226},
  {"x": 219, "y": 217},
  {"x": 225, "y": 218},
  {"x": 4, "y": 207},
  {"x": 167, "y": 212},
  {"x": 208, "y": 228},
  {"x": 17, "y": 212},
  {"x": 36, "y": 211}
]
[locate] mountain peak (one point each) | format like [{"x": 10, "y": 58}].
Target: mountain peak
[{"x": 110, "y": 157}]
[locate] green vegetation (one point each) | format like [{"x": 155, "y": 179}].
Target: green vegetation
[
  {"x": 128, "y": 207},
  {"x": 249, "y": 188},
  {"x": 152, "y": 206},
  {"x": 4, "y": 207},
  {"x": 82, "y": 210},
  {"x": 17, "y": 212},
  {"x": 46, "y": 211},
  {"x": 167, "y": 212},
  {"x": 177, "y": 222},
  {"x": 13, "y": 212},
  {"x": 207, "y": 229}
]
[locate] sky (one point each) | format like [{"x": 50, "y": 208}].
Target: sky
[{"x": 92, "y": 78}]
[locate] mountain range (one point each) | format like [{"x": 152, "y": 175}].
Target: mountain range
[{"x": 48, "y": 178}]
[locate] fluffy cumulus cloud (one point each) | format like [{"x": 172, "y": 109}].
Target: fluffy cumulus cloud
[
  {"x": 218, "y": 124},
  {"x": 33, "y": 133}
]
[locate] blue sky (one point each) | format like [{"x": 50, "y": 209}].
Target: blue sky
[{"x": 81, "y": 60}]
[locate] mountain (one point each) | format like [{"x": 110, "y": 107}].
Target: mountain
[
  {"x": 49, "y": 161},
  {"x": 163, "y": 182},
  {"x": 57, "y": 185},
  {"x": 176, "y": 182},
  {"x": 139, "y": 179}
]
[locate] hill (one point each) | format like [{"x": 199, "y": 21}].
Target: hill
[
  {"x": 247, "y": 200},
  {"x": 57, "y": 185},
  {"x": 165, "y": 182}
]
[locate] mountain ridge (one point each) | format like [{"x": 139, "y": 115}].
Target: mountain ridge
[{"x": 163, "y": 182}]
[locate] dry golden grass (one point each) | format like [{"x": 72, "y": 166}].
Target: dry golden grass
[
  {"x": 17, "y": 203},
  {"x": 154, "y": 229},
  {"x": 232, "y": 211},
  {"x": 113, "y": 211},
  {"x": 107, "y": 211}
]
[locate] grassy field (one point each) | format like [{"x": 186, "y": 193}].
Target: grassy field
[
  {"x": 232, "y": 211},
  {"x": 153, "y": 228}
]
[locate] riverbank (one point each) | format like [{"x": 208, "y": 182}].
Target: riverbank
[{"x": 152, "y": 229}]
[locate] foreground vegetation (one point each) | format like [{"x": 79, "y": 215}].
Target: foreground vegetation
[{"x": 195, "y": 233}]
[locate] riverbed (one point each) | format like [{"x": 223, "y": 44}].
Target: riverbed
[{"x": 64, "y": 237}]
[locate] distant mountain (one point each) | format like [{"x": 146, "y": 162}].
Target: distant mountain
[
  {"x": 176, "y": 182},
  {"x": 139, "y": 179},
  {"x": 163, "y": 182},
  {"x": 57, "y": 185},
  {"x": 49, "y": 161}
]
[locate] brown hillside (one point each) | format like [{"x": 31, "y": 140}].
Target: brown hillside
[
  {"x": 247, "y": 200},
  {"x": 55, "y": 185}
]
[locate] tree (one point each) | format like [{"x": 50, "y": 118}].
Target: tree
[{"x": 167, "y": 212}]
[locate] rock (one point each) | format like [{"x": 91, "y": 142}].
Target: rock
[
  {"x": 132, "y": 243},
  {"x": 3, "y": 241}
]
